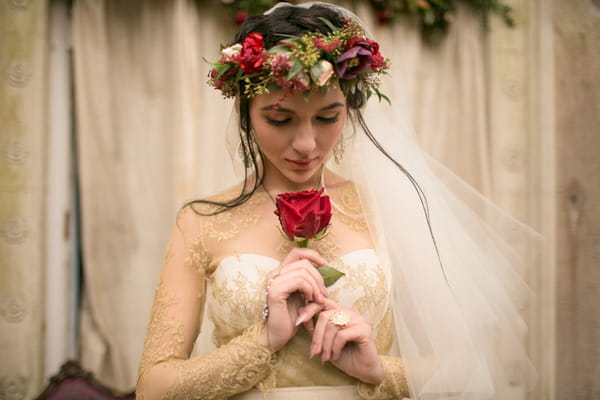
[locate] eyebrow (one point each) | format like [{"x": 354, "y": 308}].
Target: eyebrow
[{"x": 272, "y": 107}]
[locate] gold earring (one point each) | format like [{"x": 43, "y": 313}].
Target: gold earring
[{"x": 338, "y": 151}]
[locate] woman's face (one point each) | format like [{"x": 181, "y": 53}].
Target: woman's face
[{"x": 297, "y": 137}]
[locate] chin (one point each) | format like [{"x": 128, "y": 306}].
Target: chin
[{"x": 305, "y": 178}]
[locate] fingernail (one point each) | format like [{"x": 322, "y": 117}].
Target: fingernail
[
  {"x": 313, "y": 350},
  {"x": 300, "y": 319}
]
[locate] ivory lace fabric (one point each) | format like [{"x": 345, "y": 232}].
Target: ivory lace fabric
[{"x": 217, "y": 264}]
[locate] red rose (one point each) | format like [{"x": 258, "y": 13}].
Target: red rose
[
  {"x": 377, "y": 59},
  {"x": 252, "y": 54},
  {"x": 303, "y": 215}
]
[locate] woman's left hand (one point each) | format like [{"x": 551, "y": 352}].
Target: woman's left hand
[{"x": 351, "y": 348}]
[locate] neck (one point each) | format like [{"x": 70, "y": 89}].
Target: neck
[{"x": 276, "y": 186}]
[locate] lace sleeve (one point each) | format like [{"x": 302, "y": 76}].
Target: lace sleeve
[
  {"x": 393, "y": 386},
  {"x": 166, "y": 370}
]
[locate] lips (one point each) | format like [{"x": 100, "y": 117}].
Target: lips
[{"x": 302, "y": 164}]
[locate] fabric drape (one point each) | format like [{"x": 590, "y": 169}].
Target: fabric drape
[{"x": 143, "y": 122}]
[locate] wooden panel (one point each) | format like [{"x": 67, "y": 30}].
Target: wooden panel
[{"x": 577, "y": 38}]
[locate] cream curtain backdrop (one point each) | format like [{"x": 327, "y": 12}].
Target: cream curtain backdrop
[
  {"x": 148, "y": 129},
  {"x": 142, "y": 120},
  {"x": 24, "y": 46}
]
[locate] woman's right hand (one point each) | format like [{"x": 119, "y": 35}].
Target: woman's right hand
[{"x": 293, "y": 285}]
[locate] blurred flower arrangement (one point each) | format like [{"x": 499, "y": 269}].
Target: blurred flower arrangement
[{"x": 435, "y": 16}]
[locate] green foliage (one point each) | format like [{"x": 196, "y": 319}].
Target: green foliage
[{"x": 434, "y": 16}]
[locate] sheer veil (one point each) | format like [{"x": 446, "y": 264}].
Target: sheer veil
[{"x": 455, "y": 259}]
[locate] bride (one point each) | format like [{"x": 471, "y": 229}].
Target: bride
[{"x": 422, "y": 309}]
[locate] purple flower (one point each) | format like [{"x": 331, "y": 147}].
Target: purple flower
[{"x": 357, "y": 58}]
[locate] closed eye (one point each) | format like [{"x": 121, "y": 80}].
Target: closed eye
[
  {"x": 278, "y": 122},
  {"x": 329, "y": 120}
]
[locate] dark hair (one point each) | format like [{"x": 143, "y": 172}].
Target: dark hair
[
  {"x": 282, "y": 22},
  {"x": 286, "y": 21}
]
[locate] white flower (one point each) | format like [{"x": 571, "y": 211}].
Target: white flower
[
  {"x": 326, "y": 71},
  {"x": 230, "y": 53}
]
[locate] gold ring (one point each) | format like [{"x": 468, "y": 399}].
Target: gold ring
[{"x": 340, "y": 318}]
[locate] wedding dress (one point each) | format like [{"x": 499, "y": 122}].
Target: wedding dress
[
  {"x": 436, "y": 271},
  {"x": 228, "y": 255}
]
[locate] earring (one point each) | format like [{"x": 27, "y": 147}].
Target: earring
[{"x": 338, "y": 151}]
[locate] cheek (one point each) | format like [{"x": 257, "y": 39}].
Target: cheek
[
  {"x": 332, "y": 135},
  {"x": 269, "y": 140}
]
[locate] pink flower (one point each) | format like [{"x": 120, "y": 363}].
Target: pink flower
[
  {"x": 326, "y": 69},
  {"x": 231, "y": 53},
  {"x": 280, "y": 68},
  {"x": 327, "y": 48}
]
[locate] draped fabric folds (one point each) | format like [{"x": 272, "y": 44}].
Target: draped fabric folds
[
  {"x": 143, "y": 121},
  {"x": 151, "y": 135}
]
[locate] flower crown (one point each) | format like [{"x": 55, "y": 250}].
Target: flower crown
[{"x": 345, "y": 56}]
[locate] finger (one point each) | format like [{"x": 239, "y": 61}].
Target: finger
[
  {"x": 298, "y": 253},
  {"x": 305, "y": 267},
  {"x": 306, "y": 313},
  {"x": 317, "y": 276},
  {"x": 282, "y": 288},
  {"x": 309, "y": 326},
  {"x": 319, "y": 331},
  {"x": 329, "y": 336},
  {"x": 331, "y": 305},
  {"x": 344, "y": 336},
  {"x": 297, "y": 281}
]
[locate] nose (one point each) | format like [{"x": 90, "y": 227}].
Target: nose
[{"x": 304, "y": 140}]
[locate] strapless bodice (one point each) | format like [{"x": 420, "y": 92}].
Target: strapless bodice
[{"x": 236, "y": 294}]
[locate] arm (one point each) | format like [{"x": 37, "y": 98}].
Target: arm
[
  {"x": 393, "y": 385},
  {"x": 166, "y": 371}
]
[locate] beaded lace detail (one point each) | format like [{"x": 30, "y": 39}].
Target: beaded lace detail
[{"x": 219, "y": 263}]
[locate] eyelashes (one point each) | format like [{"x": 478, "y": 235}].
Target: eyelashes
[
  {"x": 329, "y": 120},
  {"x": 281, "y": 122},
  {"x": 278, "y": 122}
]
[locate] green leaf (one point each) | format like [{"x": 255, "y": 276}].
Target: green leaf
[
  {"x": 292, "y": 41},
  {"x": 316, "y": 71},
  {"x": 329, "y": 24},
  {"x": 282, "y": 48},
  {"x": 343, "y": 86},
  {"x": 222, "y": 71},
  {"x": 330, "y": 275},
  {"x": 212, "y": 64},
  {"x": 296, "y": 68},
  {"x": 382, "y": 96}
]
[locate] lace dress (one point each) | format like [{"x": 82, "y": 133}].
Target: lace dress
[{"x": 218, "y": 264}]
